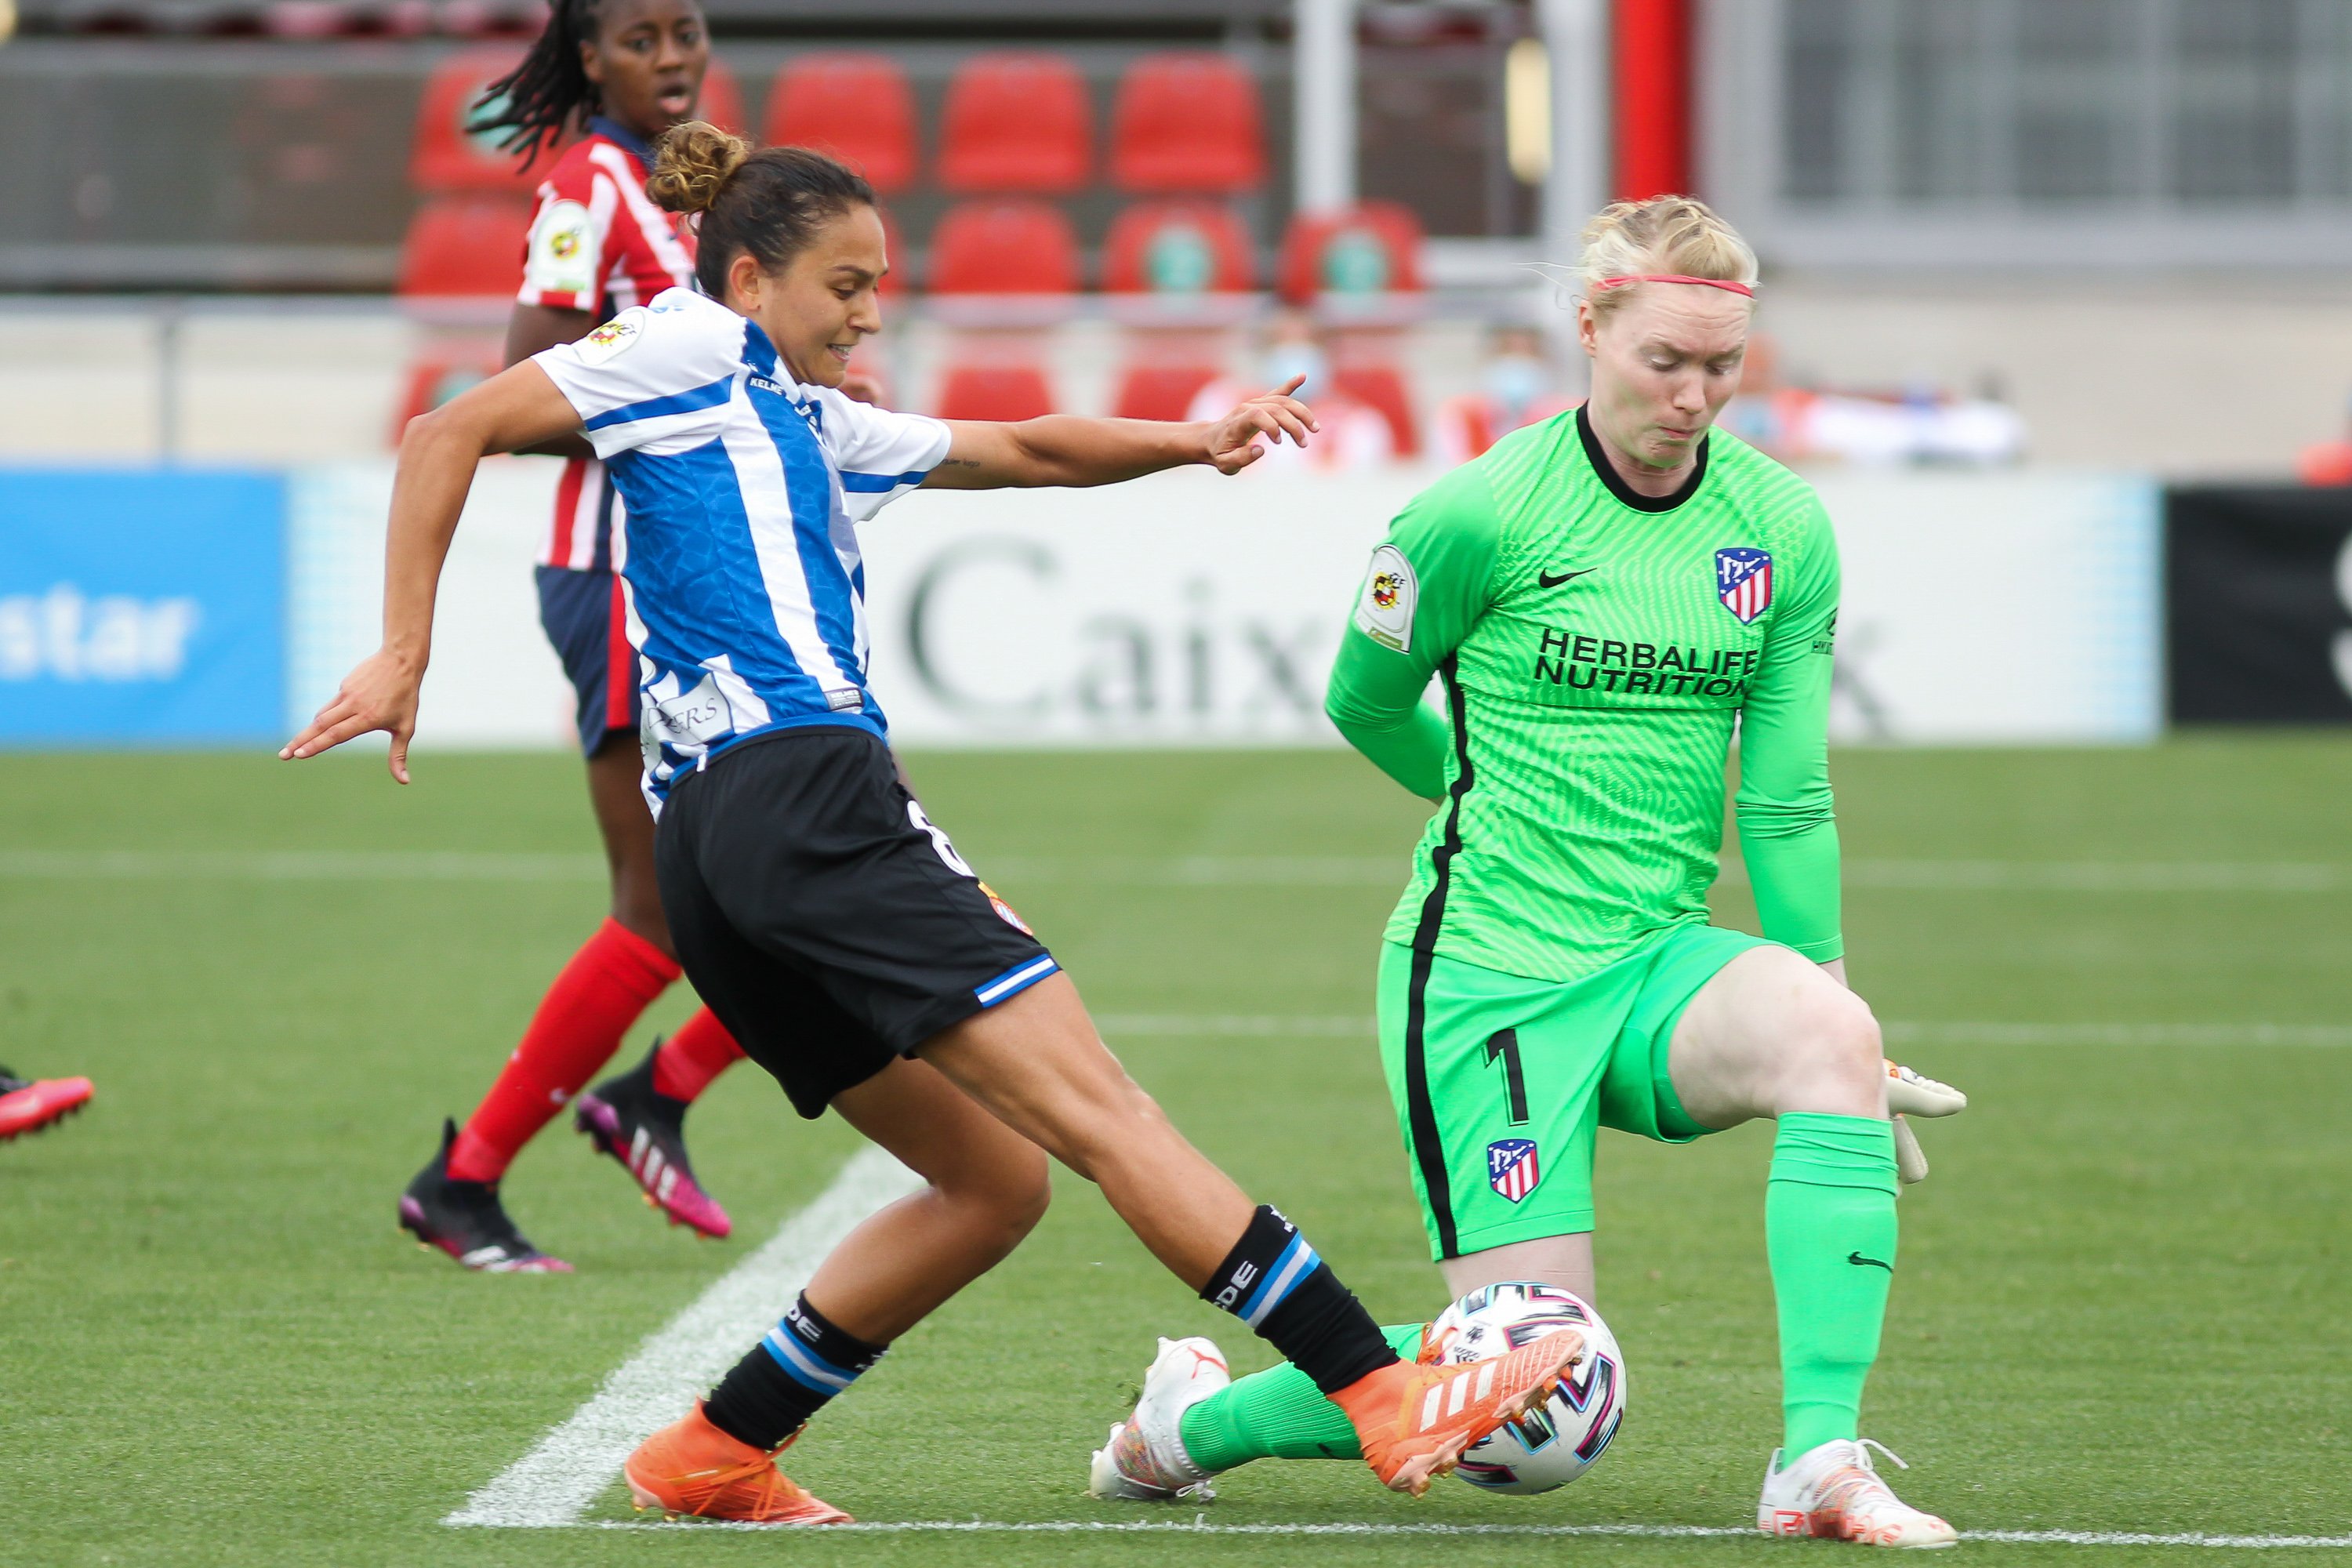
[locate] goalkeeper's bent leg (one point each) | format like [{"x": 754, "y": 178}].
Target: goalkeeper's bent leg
[
  {"x": 1829, "y": 1233},
  {"x": 1278, "y": 1413}
]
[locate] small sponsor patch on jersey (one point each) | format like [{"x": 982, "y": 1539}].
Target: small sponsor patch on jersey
[
  {"x": 1005, "y": 912},
  {"x": 1512, "y": 1168},
  {"x": 560, "y": 261},
  {"x": 613, "y": 337},
  {"x": 1743, "y": 581},
  {"x": 1384, "y": 613}
]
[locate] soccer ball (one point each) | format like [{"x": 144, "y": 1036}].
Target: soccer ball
[{"x": 1561, "y": 1438}]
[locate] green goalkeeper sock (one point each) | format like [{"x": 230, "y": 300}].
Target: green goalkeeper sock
[
  {"x": 1278, "y": 1413},
  {"x": 1829, "y": 1230}
]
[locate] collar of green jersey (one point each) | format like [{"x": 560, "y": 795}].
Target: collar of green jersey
[{"x": 1616, "y": 482}]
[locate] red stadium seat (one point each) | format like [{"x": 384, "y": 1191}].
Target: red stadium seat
[
  {"x": 1005, "y": 392},
  {"x": 1160, "y": 391},
  {"x": 439, "y": 375},
  {"x": 1177, "y": 248},
  {"x": 1015, "y": 122},
  {"x": 465, "y": 247},
  {"x": 1004, "y": 247},
  {"x": 444, "y": 157},
  {"x": 1187, "y": 122},
  {"x": 722, "y": 99},
  {"x": 1374, "y": 249},
  {"x": 1380, "y": 388},
  {"x": 857, "y": 107}
]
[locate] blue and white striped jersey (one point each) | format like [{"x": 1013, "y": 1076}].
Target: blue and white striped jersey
[{"x": 744, "y": 487}]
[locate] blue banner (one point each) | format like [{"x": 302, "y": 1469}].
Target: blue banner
[{"x": 141, "y": 606}]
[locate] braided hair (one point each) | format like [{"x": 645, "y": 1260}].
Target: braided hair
[{"x": 542, "y": 98}]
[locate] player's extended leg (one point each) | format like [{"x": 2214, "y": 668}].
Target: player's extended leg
[
  {"x": 639, "y": 1117},
  {"x": 1771, "y": 1034},
  {"x": 985, "y": 1189},
  {"x": 1043, "y": 1068}
]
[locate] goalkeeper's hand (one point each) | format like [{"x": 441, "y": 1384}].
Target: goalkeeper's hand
[{"x": 1912, "y": 1094}]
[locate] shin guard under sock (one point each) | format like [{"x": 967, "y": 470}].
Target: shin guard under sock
[
  {"x": 1829, "y": 1230},
  {"x": 608, "y": 984},
  {"x": 787, "y": 1377},
  {"x": 1278, "y": 1413},
  {"x": 686, "y": 1061},
  {"x": 1275, "y": 1283}
]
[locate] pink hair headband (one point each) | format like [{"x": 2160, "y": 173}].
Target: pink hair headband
[{"x": 1740, "y": 288}]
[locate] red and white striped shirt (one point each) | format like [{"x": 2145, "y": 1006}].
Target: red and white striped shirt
[{"x": 598, "y": 244}]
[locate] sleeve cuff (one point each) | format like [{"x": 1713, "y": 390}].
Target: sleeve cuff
[{"x": 1828, "y": 950}]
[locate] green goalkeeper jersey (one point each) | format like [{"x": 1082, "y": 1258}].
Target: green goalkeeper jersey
[{"x": 1595, "y": 649}]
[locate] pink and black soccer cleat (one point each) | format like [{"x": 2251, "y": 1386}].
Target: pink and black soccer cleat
[
  {"x": 645, "y": 1130},
  {"x": 29, "y": 1105},
  {"x": 465, "y": 1220}
]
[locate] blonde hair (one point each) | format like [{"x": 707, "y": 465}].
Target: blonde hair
[
  {"x": 692, "y": 162},
  {"x": 1671, "y": 235}
]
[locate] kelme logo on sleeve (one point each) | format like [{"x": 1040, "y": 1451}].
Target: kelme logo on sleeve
[{"x": 1385, "y": 613}]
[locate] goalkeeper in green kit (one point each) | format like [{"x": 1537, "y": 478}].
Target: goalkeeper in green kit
[{"x": 1601, "y": 598}]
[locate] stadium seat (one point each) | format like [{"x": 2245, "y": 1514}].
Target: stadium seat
[
  {"x": 1381, "y": 389},
  {"x": 1373, "y": 248},
  {"x": 1015, "y": 122},
  {"x": 722, "y": 99},
  {"x": 1151, "y": 391},
  {"x": 1177, "y": 248},
  {"x": 465, "y": 247},
  {"x": 1187, "y": 122},
  {"x": 439, "y": 375},
  {"x": 445, "y": 157},
  {"x": 857, "y": 107},
  {"x": 1004, "y": 392},
  {"x": 1004, "y": 247}
]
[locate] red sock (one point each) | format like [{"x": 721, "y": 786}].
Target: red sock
[
  {"x": 613, "y": 977},
  {"x": 689, "y": 1059}
]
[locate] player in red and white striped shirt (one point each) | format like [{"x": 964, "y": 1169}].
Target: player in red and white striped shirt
[{"x": 620, "y": 72}]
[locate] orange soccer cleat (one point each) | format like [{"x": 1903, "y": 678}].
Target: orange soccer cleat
[
  {"x": 27, "y": 1107},
  {"x": 691, "y": 1467},
  {"x": 1415, "y": 1420}
]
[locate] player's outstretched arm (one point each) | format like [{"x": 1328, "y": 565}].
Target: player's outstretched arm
[
  {"x": 519, "y": 408},
  {"x": 1063, "y": 449}
]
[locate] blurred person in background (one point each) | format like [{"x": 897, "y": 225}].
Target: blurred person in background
[
  {"x": 27, "y": 1105},
  {"x": 1516, "y": 388},
  {"x": 616, "y": 74},
  {"x": 1921, "y": 423},
  {"x": 1351, "y": 434},
  {"x": 2328, "y": 462}
]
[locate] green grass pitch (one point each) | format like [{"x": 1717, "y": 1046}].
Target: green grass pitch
[{"x": 2122, "y": 1299}]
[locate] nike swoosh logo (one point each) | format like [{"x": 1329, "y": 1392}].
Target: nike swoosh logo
[
  {"x": 1546, "y": 580},
  {"x": 1857, "y": 1260}
]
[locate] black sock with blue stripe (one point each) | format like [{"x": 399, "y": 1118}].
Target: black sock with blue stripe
[
  {"x": 787, "y": 1377},
  {"x": 1277, "y": 1284}
]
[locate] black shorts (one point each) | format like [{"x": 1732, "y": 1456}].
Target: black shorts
[
  {"x": 824, "y": 919},
  {"x": 582, "y": 615}
]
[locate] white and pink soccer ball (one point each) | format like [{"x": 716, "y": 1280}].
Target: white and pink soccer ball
[{"x": 1564, "y": 1437}]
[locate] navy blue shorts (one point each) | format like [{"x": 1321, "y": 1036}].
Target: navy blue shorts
[{"x": 584, "y": 617}]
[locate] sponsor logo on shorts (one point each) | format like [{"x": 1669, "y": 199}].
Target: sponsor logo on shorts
[
  {"x": 1005, "y": 912},
  {"x": 1512, "y": 1168}
]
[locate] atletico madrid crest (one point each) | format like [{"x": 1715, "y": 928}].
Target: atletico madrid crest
[
  {"x": 1743, "y": 580},
  {"x": 1511, "y": 1167}
]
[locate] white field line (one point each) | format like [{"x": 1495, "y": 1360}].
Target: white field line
[
  {"x": 2285, "y": 876},
  {"x": 1652, "y": 1531},
  {"x": 563, "y": 1474},
  {"x": 1342, "y": 1025}
]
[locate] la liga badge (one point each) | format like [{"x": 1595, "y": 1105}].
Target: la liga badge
[
  {"x": 1512, "y": 1168},
  {"x": 1743, "y": 581}
]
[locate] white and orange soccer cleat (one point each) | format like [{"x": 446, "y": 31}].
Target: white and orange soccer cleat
[
  {"x": 29, "y": 1105},
  {"x": 1834, "y": 1492},
  {"x": 690, "y": 1468},
  {"x": 1144, "y": 1459},
  {"x": 1415, "y": 1420}
]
